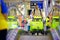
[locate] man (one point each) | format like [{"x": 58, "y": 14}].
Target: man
[{"x": 3, "y": 20}]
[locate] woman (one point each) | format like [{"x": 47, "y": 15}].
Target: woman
[{"x": 37, "y": 11}]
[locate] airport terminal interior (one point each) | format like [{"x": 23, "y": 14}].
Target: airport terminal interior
[{"x": 33, "y": 19}]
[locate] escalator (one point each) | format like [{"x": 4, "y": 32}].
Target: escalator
[
  {"x": 23, "y": 35},
  {"x": 27, "y": 36}
]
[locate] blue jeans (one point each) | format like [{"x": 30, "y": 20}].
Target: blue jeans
[{"x": 28, "y": 28}]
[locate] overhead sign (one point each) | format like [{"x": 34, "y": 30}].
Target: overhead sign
[{"x": 40, "y": 4}]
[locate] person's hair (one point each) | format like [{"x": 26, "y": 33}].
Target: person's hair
[
  {"x": 47, "y": 16},
  {"x": 36, "y": 6}
]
